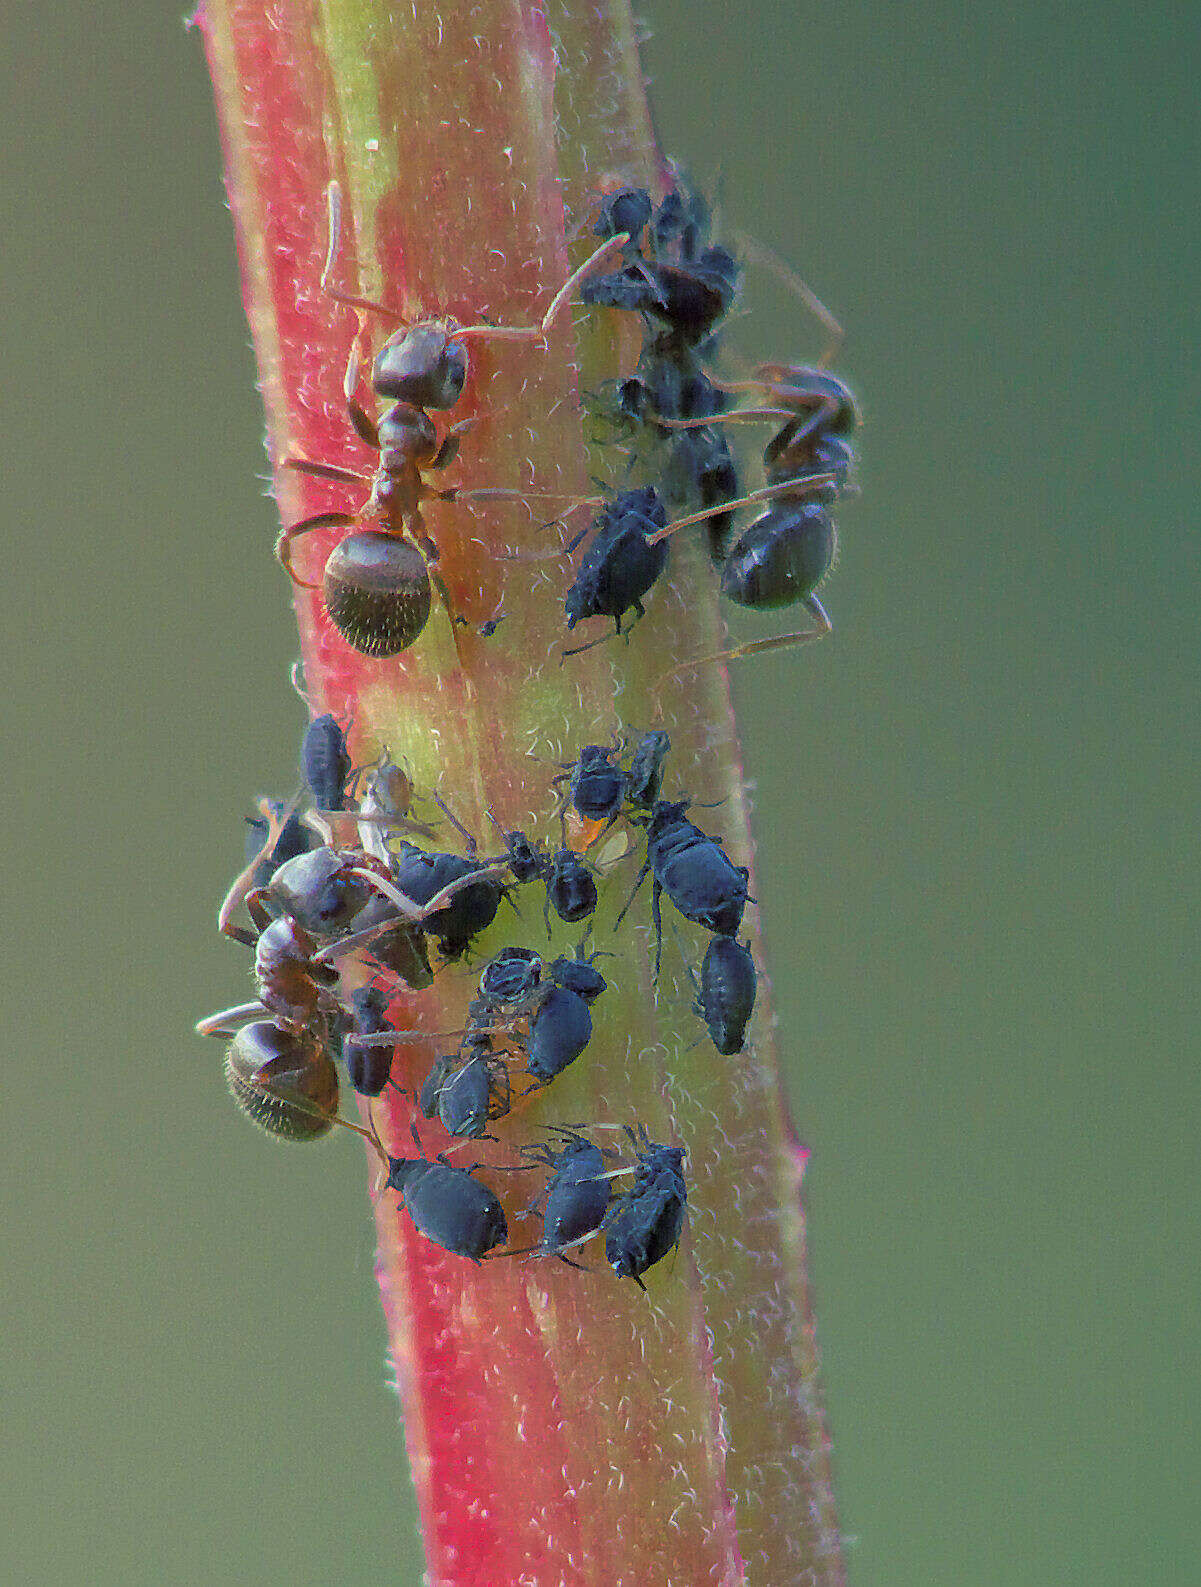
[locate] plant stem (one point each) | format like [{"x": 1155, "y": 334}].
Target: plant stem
[{"x": 562, "y": 1426}]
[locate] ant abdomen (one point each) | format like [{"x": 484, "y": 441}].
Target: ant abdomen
[
  {"x": 782, "y": 557},
  {"x": 377, "y": 592},
  {"x": 285, "y": 1083}
]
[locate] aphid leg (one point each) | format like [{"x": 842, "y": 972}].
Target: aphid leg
[
  {"x": 657, "y": 920},
  {"x": 513, "y": 333},
  {"x": 802, "y": 484},
  {"x": 788, "y": 277},
  {"x": 642, "y": 876},
  {"x": 319, "y": 520},
  {"x": 823, "y": 626}
]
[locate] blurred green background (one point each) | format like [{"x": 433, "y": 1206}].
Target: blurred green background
[{"x": 976, "y": 808}]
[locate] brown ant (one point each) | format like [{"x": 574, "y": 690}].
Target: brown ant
[{"x": 377, "y": 582}]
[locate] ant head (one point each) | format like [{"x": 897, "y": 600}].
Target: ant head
[{"x": 422, "y": 365}]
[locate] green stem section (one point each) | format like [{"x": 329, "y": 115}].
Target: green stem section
[{"x": 562, "y": 1426}]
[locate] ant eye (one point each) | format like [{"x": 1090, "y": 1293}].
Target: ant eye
[{"x": 377, "y": 592}]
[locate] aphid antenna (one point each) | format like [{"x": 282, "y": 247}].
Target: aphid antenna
[
  {"x": 789, "y": 487},
  {"x": 771, "y": 261},
  {"x": 470, "y": 843},
  {"x": 393, "y": 1038}
]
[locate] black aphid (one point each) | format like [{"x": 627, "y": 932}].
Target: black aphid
[
  {"x": 510, "y": 975},
  {"x": 694, "y": 871},
  {"x": 570, "y": 889},
  {"x": 645, "y": 1223},
  {"x": 620, "y": 563},
  {"x": 325, "y": 762},
  {"x": 726, "y": 995},
  {"x": 578, "y": 975},
  {"x": 420, "y": 874},
  {"x": 645, "y": 776},
  {"x": 369, "y": 1067},
  {"x": 560, "y": 1029},
  {"x": 294, "y": 838},
  {"x": 577, "y": 1196},
  {"x": 448, "y": 1206}
]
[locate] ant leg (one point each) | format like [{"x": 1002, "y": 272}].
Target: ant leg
[
  {"x": 229, "y": 1020},
  {"x": 787, "y": 276},
  {"x": 415, "y": 913},
  {"x": 243, "y": 883},
  {"x": 801, "y": 485},
  {"x": 344, "y": 476},
  {"x": 538, "y": 333},
  {"x": 777, "y": 642},
  {"x": 319, "y": 520},
  {"x": 737, "y": 416}
]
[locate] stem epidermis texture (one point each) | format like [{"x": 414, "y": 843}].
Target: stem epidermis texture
[{"x": 563, "y": 1428}]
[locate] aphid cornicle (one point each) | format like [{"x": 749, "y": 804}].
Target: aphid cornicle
[
  {"x": 284, "y": 1080},
  {"x": 448, "y": 1206},
  {"x": 693, "y": 870},
  {"x": 726, "y": 993}
]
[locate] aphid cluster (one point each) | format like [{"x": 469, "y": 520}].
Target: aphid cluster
[{"x": 346, "y": 898}]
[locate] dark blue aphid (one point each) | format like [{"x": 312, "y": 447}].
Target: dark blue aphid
[
  {"x": 420, "y": 874},
  {"x": 560, "y": 1029},
  {"x": 570, "y": 889},
  {"x": 596, "y": 783},
  {"x": 472, "y": 1094},
  {"x": 369, "y": 1068},
  {"x": 325, "y": 762},
  {"x": 645, "y": 776},
  {"x": 431, "y": 1086},
  {"x": 510, "y": 975},
  {"x": 645, "y": 1223},
  {"x": 726, "y": 996},
  {"x": 694, "y": 871},
  {"x": 578, "y": 975},
  {"x": 577, "y": 1196},
  {"x": 448, "y": 1206},
  {"x": 524, "y": 860},
  {"x": 620, "y": 563}
]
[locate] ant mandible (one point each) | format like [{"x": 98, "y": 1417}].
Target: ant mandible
[{"x": 377, "y": 582}]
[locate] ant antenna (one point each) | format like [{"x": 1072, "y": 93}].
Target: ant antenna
[{"x": 787, "y": 276}]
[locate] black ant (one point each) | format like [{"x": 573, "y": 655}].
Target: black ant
[{"x": 377, "y": 582}]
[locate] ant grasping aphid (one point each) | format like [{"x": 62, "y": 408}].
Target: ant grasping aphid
[{"x": 377, "y": 582}]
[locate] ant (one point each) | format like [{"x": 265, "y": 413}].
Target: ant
[{"x": 377, "y": 582}]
